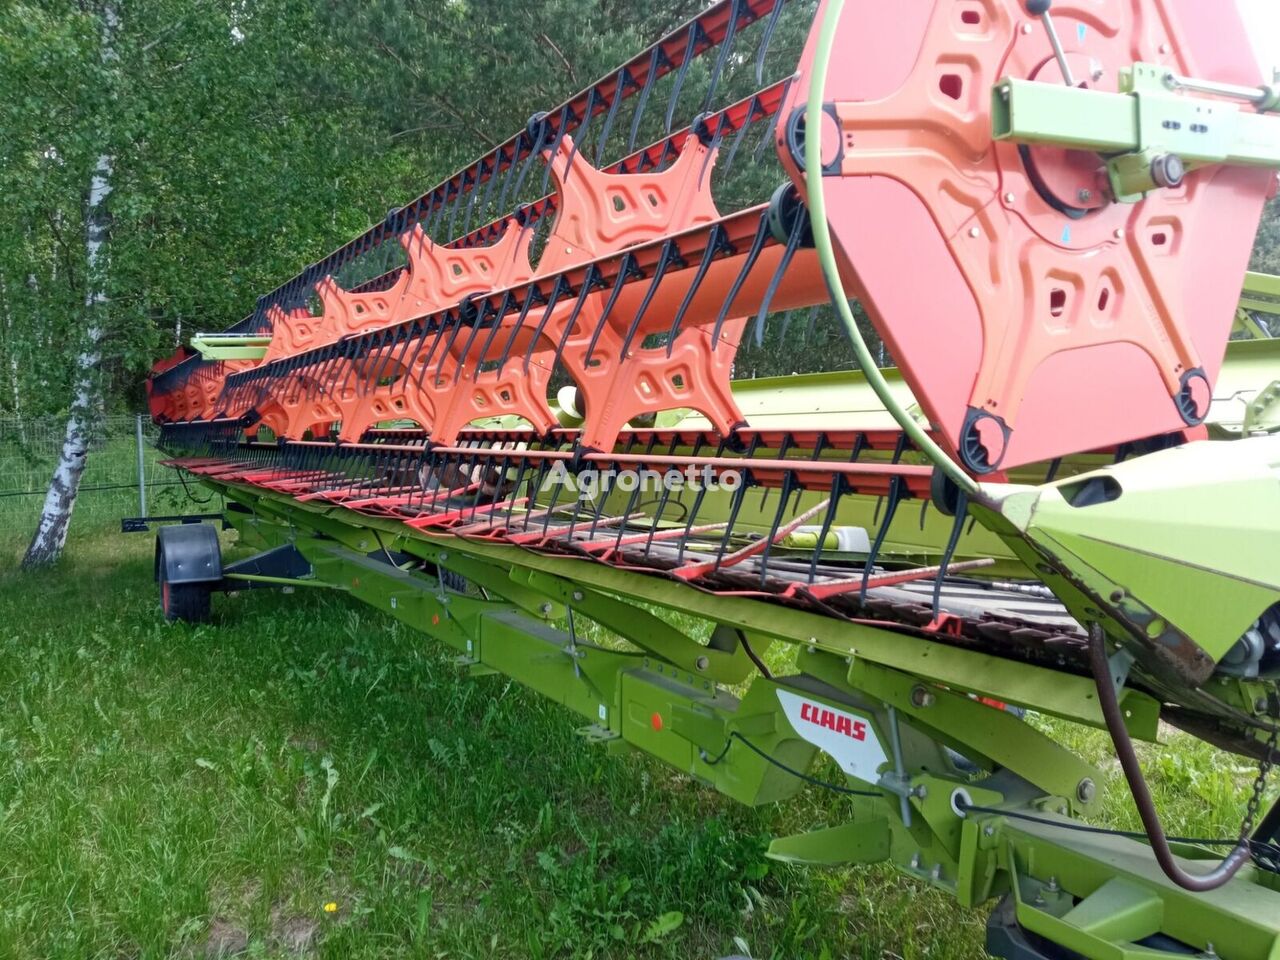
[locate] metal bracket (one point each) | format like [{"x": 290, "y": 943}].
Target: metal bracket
[{"x": 1149, "y": 135}]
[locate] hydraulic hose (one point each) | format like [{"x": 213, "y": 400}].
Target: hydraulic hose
[
  {"x": 830, "y": 269},
  {"x": 1221, "y": 874}
]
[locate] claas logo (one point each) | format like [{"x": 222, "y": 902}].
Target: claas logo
[{"x": 840, "y": 723}]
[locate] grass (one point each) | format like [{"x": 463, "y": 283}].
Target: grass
[{"x": 190, "y": 792}]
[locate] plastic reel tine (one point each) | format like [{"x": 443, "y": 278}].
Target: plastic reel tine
[
  {"x": 386, "y": 351},
  {"x": 532, "y": 295},
  {"x": 713, "y": 146},
  {"x": 503, "y": 309},
  {"x": 486, "y": 312},
  {"x": 838, "y": 488},
  {"x": 739, "y": 496},
  {"x": 957, "y": 526},
  {"x": 783, "y": 449},
  {"x": 813, "y": 323},
  {"x": 430, "y": 211},
  {"x": 891, "y": 507},
  {"x": 716, "y": 243},
  {"x": 560, "y": 287},
  {"x": 453, "y": 335},
  {"x": 510, "y": 171},
  {"x": 368, "y": 381},
  {"x": 492, "y": 182},
  {"x": 645, "y": 89},
  {"x": 669, "y": 254},
  {"x": 626, "y": 270},
  {"x": 788, "y": 479},
  {"x": 694, "y": 30},
  {"x": 697, "y": 500},
  {"x": 442, "y": 321},
  {"x": 784, "y": 261},
  {"x": 535, "y": 147},
  {"x": 588, "y": 114},
  {"x": 621, "y": 81},
  {"x": 770, "y": 128},
  {"x": 752, "y": 115},
  {"x": 562, "y": 127},
  {"x": 726, "y": 48},
  {"x": 355, "y": 350},
  {"x": 662, "y": 501},
  {"x": 546, "y": 518},
  {"x": 786, "y": 325},
  {"x": 757, "y": 244},
  {"x": 459, "y": 193},
  {"x": 475, "y": 196},
  {"x": 515, "y": 490},
  {"x": 404, "y": 333},
  {"x": 766, "y": 39},
  {"x": 591, "y": 280}
]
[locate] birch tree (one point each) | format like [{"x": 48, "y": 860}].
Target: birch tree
[{"x": 55, "y": 518}]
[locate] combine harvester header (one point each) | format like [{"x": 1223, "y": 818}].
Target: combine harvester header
[{"x": 1065, "y": 498}]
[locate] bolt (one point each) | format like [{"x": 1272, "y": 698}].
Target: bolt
[
  {"x": 988, "y": 831},
  {"x": 1097, "y": 74},
  {"x": 577, "y": 596},
  {"x": 921, "y": 697},
  {"x": 1165, "y": 49},
  {"x": 702, "y": 663},
  {"x": 1117, "y": 596},
  {"x": 1026, "y": 29},
  {"x": 1010, "y": 198},
  {"x": 546, "y": 609},
  {"x": 1086, "y": 790},
  {"x": 1209, "y": 952},
  {"x": 920, "y": 792},
  {"x": 1053, "y": 885},
  {"x": 1085, "y": 196},
  {"x": 1119, "y": 233},
  {"x": 936, "y": 872},
  {"x": 1168, "y": 170},
  {"x": 975, "y": 232},
  {"x": 915, "y": 861}
]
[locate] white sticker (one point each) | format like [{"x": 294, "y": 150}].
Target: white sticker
[
  {"x": 846, "y": 737},
  {"x": 604, "y": 714}
]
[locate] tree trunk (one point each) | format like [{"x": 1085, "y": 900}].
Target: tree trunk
[{"x": 86, "y": 402}]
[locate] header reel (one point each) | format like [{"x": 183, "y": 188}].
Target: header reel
[{"x": 1047, "y": 224}]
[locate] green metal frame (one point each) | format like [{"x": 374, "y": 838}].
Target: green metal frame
[
  {"x": 701, "y": 708},
  {"x": 1148, "y": 119}
]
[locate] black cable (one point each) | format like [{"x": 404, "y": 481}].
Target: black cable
[
  {"x": 190, "y": 495},
  {"x": 812, "y": 781},
  {"x": 1267, "y": 848},
  {"x": 751, "y": 655}
]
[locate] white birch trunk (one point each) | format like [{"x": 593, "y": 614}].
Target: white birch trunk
[{"x": 51, "y": 533}]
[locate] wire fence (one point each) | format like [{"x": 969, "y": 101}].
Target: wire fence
[{"x": 123, "y": 467}]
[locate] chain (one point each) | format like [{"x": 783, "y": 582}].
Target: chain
[{"x": 1260, "y": 785}]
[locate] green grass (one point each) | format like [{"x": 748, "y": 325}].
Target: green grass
[{"x": 175, "y": 791}]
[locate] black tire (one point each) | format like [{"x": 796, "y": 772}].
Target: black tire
[{"x": 185, "y": 602}]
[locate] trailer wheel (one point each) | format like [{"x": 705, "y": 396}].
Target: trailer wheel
[
  {"x": 186, "y": 602},
  {"x": 188, "y": 567}
]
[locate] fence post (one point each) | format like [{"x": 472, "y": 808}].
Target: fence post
[{"x": 142, "y": 470}]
